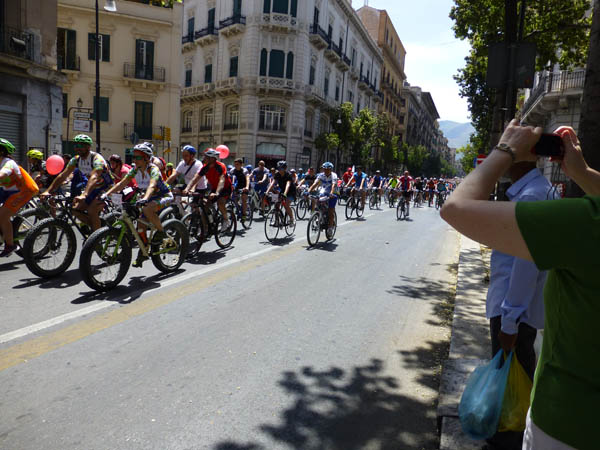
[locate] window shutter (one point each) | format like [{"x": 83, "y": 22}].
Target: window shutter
[
  {"x": 280, "y": 6},
  {"x": 289, "y": 71},
  {"x": 208, "y": 73},
  {"x": 91, "y": 46},
  {"x": 276, "y": 63},
  {"x": 267, "y": 7},
  {"x": 294, "y": 8},
  {"x": 233, "y": 67},
  {"x": 106, "y": 47},
  {"x": 263, "y": 63}
]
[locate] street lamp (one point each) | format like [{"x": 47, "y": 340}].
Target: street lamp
[
  {"x": 79, "y": 102},
  {"x": 110, "y": 6}
]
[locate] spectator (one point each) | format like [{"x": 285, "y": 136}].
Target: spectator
[
  {"x": 562, "y": 236},
  {"x": 515, "y": 300}
]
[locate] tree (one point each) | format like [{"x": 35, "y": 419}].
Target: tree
[
  {"x": 363, "y": 127},
  {"x": 341, "y": 123},
  {"x": 468, "y": 154},
  {"x": 416, "y": 159},
  {"x": 325, "y": 143},
  {"x": 559, "y": 29}
]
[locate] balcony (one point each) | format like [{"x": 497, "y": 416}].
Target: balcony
[
  {"x": 332, "y": 53},
  {"x": 144, "y": 132},
  {"x": 229, "y": 86},
  {"x": 318, "y": 37},
  {"x": 17, "y": 43},
  {"x": 206, "y": 36},
  {"x": 354, "y": 73},
  {"x": 314, "y": 95},
  {"x": 276, "y": 85},
  {"x": 230, "y": 126},
  {"x": 363, "y": 83},
  {"x": 197, "y": 93},
  {"x": 144, "y": 76},
  {"x": 205, "y": 128},
  {"x": 378, "y": 97},
  {"x": 186, "y": 130},
  {"x": 188, "y": 42},
  {"x": 233, "y": 25},
  {"x": 553, "y": 91},
  {"x": 282, "y": 23},
  {"x": 68, "y": 64},
  {"x": 308, "y": 133},
  {"x": 344, "y": 63}
]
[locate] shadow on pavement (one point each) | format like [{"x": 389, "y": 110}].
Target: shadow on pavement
[
  {"x": 12, "y": 265},
  {"x": 280, "y": 242},
  {"x": 358, "y": 409},
  {"x": 207, "y": 258},
  {"x": 328, "y": 246},
  {"x": 69, "y": 278}
]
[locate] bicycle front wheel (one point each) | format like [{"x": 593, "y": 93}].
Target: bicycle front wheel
[
  {"x": 104, "y": 260},
  {"x": 330, "y": 233},
  {"x": 401, "y": 210},
  {"x": 350, "y": 208},
  {"x": 290, "y": 223},
  {"x": 272, "y": 223},
  {"x": 313, "y": 231},
  {"x": 248, "y": 218},
  {"x": 360, "y": 208},
  {"x": 169, "y": 254},
  {"x": 301, "y": 209},
  {"x": 224, "y": 236},
  {"x": 49, "y": 248}
]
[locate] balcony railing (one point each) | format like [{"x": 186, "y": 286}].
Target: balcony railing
[
  {"x": 186, "y": 129},
  {"x": 231, "y": 126},
  {"x": 237, "y": 19},
  {"x": 555, "y": 82},
  {"x": 347, "y": 60},
  {"x": 316, "y": 29},
  {"x": 308, "y": 133},
  {"x": 206, "y": 32},
  {"x": 144, "y": 132},
  {"x": 150, "y": 73},
  {"x": 187, "y": 38},
  {"x": 68, "y": 63},
  {"x": 206, "y": 128},
  {"x": 16, "y": 42}
]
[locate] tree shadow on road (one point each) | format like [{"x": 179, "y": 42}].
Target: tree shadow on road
[{"x": 347, "y": 410}]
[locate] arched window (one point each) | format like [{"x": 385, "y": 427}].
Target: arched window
[
  {"x": 263, "y": 62},
  {"x": 187, "y": 120},
  {"x": 232, "y": 117},
  {"x": 272, "y": 117},
  {"x": 207, "y": 119},
  {"x": 289, "y": 69}
]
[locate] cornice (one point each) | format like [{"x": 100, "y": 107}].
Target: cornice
[{"x": 351, "y": 13}]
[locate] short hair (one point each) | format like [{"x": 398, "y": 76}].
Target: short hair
[
  {"x": 358, "y": 167},
  {"x": 311, "y": 168},
  {"x": 261, "y": 163},
  {"x": 239, "y": 160}
]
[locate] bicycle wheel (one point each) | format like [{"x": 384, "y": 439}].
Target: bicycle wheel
[
  {"x": 350, "y": 208},
  {"x": 372, "y": 201},
  {"x": 224, "y": 238},
  {"x": 401, "y": 210},
  {"x": 170, "y": 212},
  {"x": 392, "y": 200},
  {"x": 104, "y": 261},
  {"x": 272, "y": 224},
  {"x": 192, "y": 221},
  {"x": 49, "y": 248},
  {"x": 290, "y": 224},
  {"x": 331, "y": 234},
  {"x": 360, "y": 208},
  {"x": 169, "y": 254},
  {"x": 407, "y": 207},
  {"x": 313, "y": 230},
  {"x": 301, "y": 209},
  {"x": 248, "y": 218}
]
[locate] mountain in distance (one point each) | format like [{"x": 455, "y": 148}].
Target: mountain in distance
[{"x": 458, "y": 134}]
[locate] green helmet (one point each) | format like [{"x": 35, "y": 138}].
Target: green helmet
[
  {"x": 5, "y": 143},
  {"x": 84, "y": 139},
  {"x": 170, "y": 165},
  {"x": 35, "y": 154}
]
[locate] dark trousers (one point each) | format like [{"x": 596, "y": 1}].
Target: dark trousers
[{"x": 512, "y": 440}]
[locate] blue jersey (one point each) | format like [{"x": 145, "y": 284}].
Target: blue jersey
[
  {"x": 377, "y": 181},
  {"x": 358, "y": 179}
]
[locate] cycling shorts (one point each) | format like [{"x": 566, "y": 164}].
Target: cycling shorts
[
  {"x": 332, "y": 201},
  {"x": 95, "y": 194},
  {"x": 14, "y": 200},
  {"x": 162, "y": 200}
]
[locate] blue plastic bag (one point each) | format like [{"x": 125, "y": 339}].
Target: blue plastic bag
[{"x": 481, "y": 403}]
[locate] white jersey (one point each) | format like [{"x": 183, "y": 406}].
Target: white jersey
[
  {"x": 326, "y": 182},
  {"x": 188, "y": 172}
]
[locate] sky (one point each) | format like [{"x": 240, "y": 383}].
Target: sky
[{"x": 433, "y": 54}]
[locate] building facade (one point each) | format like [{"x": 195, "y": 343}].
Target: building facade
[
  {"x": 30, "y": 93},
  {"x": 140, "y": 74},
  {"x": 422, "y": 127},
  {"x": 382, "y": 30},
  {"x": 261, "y": 75}
]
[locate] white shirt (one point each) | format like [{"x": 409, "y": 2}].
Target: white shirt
[
  {"x": 188, "y": 171},
  {"x": 326, "y": 182}
]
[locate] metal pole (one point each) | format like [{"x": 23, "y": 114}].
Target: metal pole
[{"x": 97, "y": 100}]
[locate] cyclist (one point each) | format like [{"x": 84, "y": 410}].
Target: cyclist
[
  {"x": 157, "y": 194},
  {"x": 430, "y": 190},
  {"x": 185, "y": 171},
  {"x": 241, "y": 179},
  {"x": 157, "y": 161},
  {"x": 16, "y": 189},
  {"x": 218, "y": 180},
  {"x": 284, "y": 184},
  {"x": 37, "y": 169},
  {"x": 359, "y": 181},
  {"x": 170, "y": 169},
  {"x": 419, "y": 187},
  {"x": 376, "y": 182},
  {"x": 347, "y": 175},
  {"x": 442, "y": 190},
  {"x": 406, "y": 186},
  {"x": 308, "y": 181},
  {"x": 328, "y": 180},
  {"x": 93, "y": 176},
  {"x": 118, "y": 170}
]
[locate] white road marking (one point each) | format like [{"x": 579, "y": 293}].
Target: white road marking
[{"x": 11, "y": 336}]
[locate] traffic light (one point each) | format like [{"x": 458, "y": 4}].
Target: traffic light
[{"x": 167, "y": 133}]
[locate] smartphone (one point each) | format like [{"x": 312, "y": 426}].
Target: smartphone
[{"x": 550, "y": 144}]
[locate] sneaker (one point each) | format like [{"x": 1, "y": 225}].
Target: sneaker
[
  {"x": 8, "y": 249},
  {"x": 330, "y": 232},
  {"x": 225, "y": 226},
  {"x": 139, "y": 261}
]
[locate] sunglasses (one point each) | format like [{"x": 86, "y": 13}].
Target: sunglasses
[{"x": 80, "y": 145}]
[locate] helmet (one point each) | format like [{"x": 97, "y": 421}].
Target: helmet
[
  {"x": 35, "y": 154},
  {"x": 149, "y": 144},
  {"x": 189, "y": 149},
  {"x": 327, "y": 165},
  {"x": 5, "y": 143},
  {"x": 83, "y": 139},
  {"x": 293, "y": 170},
  {"x": 229, "y": 167},
  {"x": 248, "y": 167},
  {"x": 116, "y": 158},
  {"x": 170, "y": 165},
  {"x": 212, "y": 153},
  {"x": 378, "y": 171},
  {"x": 282, "y": 165},
  {"x": 145, "y": 149}
]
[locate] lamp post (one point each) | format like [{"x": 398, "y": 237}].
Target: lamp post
[{"x": 111, "y": 7}]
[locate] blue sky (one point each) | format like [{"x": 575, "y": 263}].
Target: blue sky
[{"x": 433, "y": 53}]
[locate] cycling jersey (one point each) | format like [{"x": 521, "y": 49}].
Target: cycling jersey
[
  {"x": 240, "y": 177},
  {"x": 144, "y": 177},
  {"x": 377, "y": 180},
  {"x": 123, "y": 171},
  {"x": 430, "y": 185},
  {"x": 16, "y": 186},
  {"x": 346, "y": 177},
  {"x": 309, "y": 179},
  {"x": 326, "y": 182},
  {"x": 93, "y": 162},
  {"x": 213, "y": 175},
  {"x": 441, "y": 187},
  {"x": 187, "y": 172},
  {"x": 405, "y": 182},
  {"x": 282, "y": 181},
  {"x": 393, "y": 183},
  {"x": 419, "y": 185},
  {"x": 358, "y": 179}
]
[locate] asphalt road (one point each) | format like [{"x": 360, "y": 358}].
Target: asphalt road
[{"x": 260, "y": 347}]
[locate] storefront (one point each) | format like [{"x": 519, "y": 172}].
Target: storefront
[{"x": 270, "y": 153}]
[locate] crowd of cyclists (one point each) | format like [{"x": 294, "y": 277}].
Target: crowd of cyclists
[{"x": 201, "y": 192}]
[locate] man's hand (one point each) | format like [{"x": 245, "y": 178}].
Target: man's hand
[
  {"x": 80, "y": 197},
  {"x": 507, "y": 341},
  {"x": 45, "y": 195},
  {"x": 212, "y": 196},
  {"x": 573, "y": 162}
]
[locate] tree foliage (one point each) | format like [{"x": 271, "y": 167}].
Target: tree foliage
[
  {"x": 559, "y": 29},
  {"x": 469, "y": 152}
]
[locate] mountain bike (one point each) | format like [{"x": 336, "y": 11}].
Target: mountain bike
[
  {"x": 22, "y": 223},
  {"x": 278, "y": 219},
  {"x": 440, "y": 198},
  {"x": 392, "y": 197},
  {"x": 177, "y": 210},
  {"x": 106, "y": 255},
  {"x": 320, "y": 221},
  {"x": 374, "y": 199},
  {"x": 354, "y": 207},
  {"x": 305, "y": 205},
  {"x": 403, "y": 207},
  {"x": 418, "y": 202},
  {"x": 236, "y": 203}
]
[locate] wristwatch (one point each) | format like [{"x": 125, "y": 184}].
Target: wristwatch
[{"x": 507, "y": 149}]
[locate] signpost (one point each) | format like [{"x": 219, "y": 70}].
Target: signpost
[{"x": 82, "y": 125}]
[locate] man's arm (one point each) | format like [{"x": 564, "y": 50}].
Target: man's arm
[
  {"x": 193, "y": 182},
  {"x": 92, "y": 183},
  {"x": 60, "y": 179}
]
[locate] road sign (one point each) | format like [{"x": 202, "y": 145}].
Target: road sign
[
  {"x": 480, "y": 158},
  {"x": 81, "y": 115},
  {"x": 82, "y": 125},
  {"x": 134, "y": 138}
]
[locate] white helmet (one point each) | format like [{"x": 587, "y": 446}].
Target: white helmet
[
  {"x": 211, "y": 153},
  {"x": 145, "y": 149}
]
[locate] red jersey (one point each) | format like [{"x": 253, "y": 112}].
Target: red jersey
[
  {"x": 118, "y": 176},
  {"x": 405, "y": 182},
  {"x": 346, "y": 177},
  {"x": 213, "y": 174}
]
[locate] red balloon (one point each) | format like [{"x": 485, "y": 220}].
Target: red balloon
[
  {"x": 223, "y": 151},
  {"x": 55, "y": 164}
]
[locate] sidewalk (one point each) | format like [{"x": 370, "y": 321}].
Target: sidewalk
[{"x": 469, "y": 344}]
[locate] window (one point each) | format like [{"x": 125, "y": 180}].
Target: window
[
  {"x": 237, "y": 8},
  {"x": 294, "y": 7},
  {"x": 188, "y": 118},
  {"x": 188, "y": 78},
  {"x": 308, "y": 122},
  {"x": 233, "y": 67},
  {"x": 66, "y": 48},
  {"x": 403, "y": 102},
  {"x": 350, "y": 96},
  {"x": 326, "y": 87},
  {"x": 353, "y": 56},
  {"x": 144, "y": 59},
  {"x": 280, "y": 6},
  {"x": 263, "y": 62},
  {"x": 361, "y": 69},
  {"x": 143, "y": 119},
  {"x": 208, "y": 73},
  {"x": 190, "y": 30},
  {"x": 276, "y": 63},
  {"x": 289, "y": 69},
  {"x": 211, "y": 19},
  {"x": 272, "y": 117},
  {"x": 65, "y": 105},
  {"x": 267, "y": 7},
  {"x": 311, "y": 75},
  {"x": 103, "y": 109},
  {"x": 337, "y": 93},
  {"x": 232, "y": 117},
  {"x": 358, "y": 108},
  {"x": 103, "y": 42},
  {"x": 207, "y": 119},
  {"x": 401, "y": 119}
]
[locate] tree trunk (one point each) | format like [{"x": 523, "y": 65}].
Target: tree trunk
[{"x": 589, "y": 125}]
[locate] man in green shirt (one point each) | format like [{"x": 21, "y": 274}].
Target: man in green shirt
[{"x": 563, "y": 237}]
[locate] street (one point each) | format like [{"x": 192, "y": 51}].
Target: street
[{"x": 259, "y": 347}]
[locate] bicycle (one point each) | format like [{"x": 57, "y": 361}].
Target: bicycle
[
  {"x": 205, "y": 220},
  {"x": 418, "y": 202},
  {"x": 304, "y": 205},
  {"x": 278, "y": 219},
  {"x": 392, "y": 197},
  {"x": 344, "y": 196},
  {"x": 177, "y": 210},
  {"x": 439, "y": 201},
  {"x": 320, "y": 221},
  {"x": 106, "y": 255},
  {"x": 354, "y": 207},
  {"x": 235, "y": 202},
  {"x": 374, "y": 198},
  {"x": 22, "y": 223},
  {"x": 403, "y": 207}
]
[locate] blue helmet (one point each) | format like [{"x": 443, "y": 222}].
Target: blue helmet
[
  {"x": 248, "y": 167},
  {"x": 189, "y": 149},
  {"x": 327, "y": 165}
]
